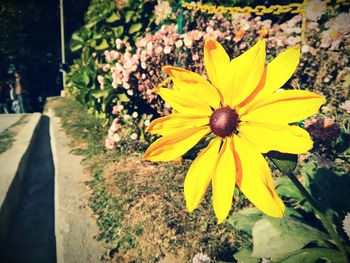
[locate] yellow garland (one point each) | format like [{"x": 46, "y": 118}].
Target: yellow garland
[{"x": 293, "y": 8}]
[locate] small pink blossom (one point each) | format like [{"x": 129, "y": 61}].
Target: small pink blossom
[
  {"x": 315, "y": 9},
  {"x": 179, "y": 43},
  {"x": 109, "y": 143},
  {"x": 167, "y": 50},
  {"x": 101, "y": 81},
  {"x": 346, "y": 106}
]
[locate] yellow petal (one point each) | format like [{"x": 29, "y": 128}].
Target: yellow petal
[
  {"x": 276, "y": 74},
  {"x": 280, "y": 70},
  {"x": 283, "y": 107},
  {"x": 255, "y": 180},
  {"x": 216, "y": 61},
  {"x": 195, "y": 84},
  {"x": 243, "y": 74},
  {"x": 200, "y": 173},
  {"x": 174, "y": 122},
  {"x": 170, "y": 147},
  {"x": 184, "y": 102},
  {"x": 282, "y": 138},
  {"x": 224, "y": 180}
]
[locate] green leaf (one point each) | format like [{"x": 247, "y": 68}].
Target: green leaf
[
  {"x": 285, "y": 162},
  {"x": 98, "y": 94},
  {"x": 118, "y": 31},
  {"x": 245, "y": 219},
  {"x": 92, "y": 43},
  {"x": 286, "y": 188},
  {"x": 128, "y": 16},
  {"x": 311, "y": 255},
  {"x": 135, "y": 27},
  {"x": 91, "y": 24},
  {"x": 245, "y": 255},
  {"x": 123, "y": 98},
  {"x": 276, "y": 238},
  {"x": 76, "y": 36},
  {"x": 103, "y": 45},
  {"x": 75, "y": 46},
  {"x": 114, "y": 17},
  {"x": 85, "y": 78}
]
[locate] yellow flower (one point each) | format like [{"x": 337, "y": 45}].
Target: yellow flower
[{"x": 241, "y": 107}]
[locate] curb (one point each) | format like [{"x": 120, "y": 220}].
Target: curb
[
  {"x": 74, "y": 226},
  {"x": 13, "y": 165}
]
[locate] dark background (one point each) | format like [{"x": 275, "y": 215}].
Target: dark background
[{"x": 30, "y": 41}]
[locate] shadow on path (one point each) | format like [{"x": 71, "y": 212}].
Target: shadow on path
[{"x": 32, "y": 234}]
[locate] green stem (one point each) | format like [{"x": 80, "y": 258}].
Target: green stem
[{"x": 325, "y": 221}]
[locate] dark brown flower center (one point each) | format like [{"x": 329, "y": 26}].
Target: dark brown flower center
[{"x": 223, "y": 122}]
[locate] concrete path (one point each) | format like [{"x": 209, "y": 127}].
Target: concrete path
[
  {"x": 44, "y": 212},
  {"x": 7, "y": 120},
  {"x": 32, "y": 236},
  {"x": 75, "y": 224}
]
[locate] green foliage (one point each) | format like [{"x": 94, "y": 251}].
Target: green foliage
[
  {"x": 283, "y": 161},
  {"x": 104, "y": 23},
  {"x": 277, "y": 237}
]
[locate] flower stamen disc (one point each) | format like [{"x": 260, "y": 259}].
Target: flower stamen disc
[{"x": 223, "y": 122}]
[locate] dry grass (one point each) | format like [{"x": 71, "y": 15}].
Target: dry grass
[{"x": 155, "y": 206}]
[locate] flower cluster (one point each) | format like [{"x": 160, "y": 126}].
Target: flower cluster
[
  {"x": 322, "y": 129},
  {"x": 162, "y": 10},
  {"x": 338, "y": 29},
  {"x": 201, "y": 258},
  {"x": 134, "y": 122}
]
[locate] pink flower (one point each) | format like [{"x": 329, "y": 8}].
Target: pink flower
[
  {"x": 158, "y": 50},
  {"x": 109, "y": 143},
  {"x": 179, "y": 43},
  {"x": 130, "y": 92},
  {"x": 117, "y": 108},
  {"x": 346, "y": 106},
  {"x": 167, "y": 50},
  {"x": 101, "y": 81},
  {"x": 315, "y": 9}
]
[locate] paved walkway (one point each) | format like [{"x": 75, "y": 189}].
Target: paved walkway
[
  {"x": 7, "y": 120},
  {"x": 32, "y": 236},
  {"x": 44, "y": 213}
]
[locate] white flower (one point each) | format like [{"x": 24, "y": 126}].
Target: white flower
[
  {"x": 147, "y": 123},
  {"x": 201, "y": 258},
  {"x": 118, "y": 43},
  {"x": 133, "y": 136},
  {"x": 130, "y": 92},
  {"x": 346, "y": 106},
  {"x": 116, "y": 137},
  {"x": 346, "y": 224},
  {"x": 161, "y": 11},
  {"x": 315, "y": 9},
  {"x": 305, "y": 48},
  {"x": 135, "y": 115}
]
